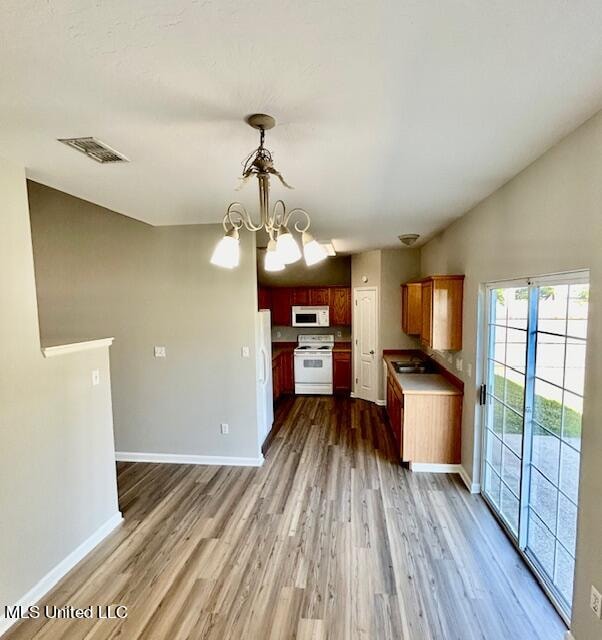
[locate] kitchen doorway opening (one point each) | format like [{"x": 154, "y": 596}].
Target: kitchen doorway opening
[{"x": 536, "y": 341}]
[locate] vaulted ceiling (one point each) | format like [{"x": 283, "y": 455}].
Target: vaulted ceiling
[{"x": 394, "y": 116}]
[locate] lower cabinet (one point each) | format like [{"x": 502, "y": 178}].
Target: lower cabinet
[
  {"x": 395, "y": 412},
  {"x": 283, "y": 379},
  {"x": 427, "y": 426},
  {"x": 341, "y": 368}
]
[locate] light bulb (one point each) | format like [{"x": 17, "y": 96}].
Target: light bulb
[
  {"x": 287, "y": 247},
  {"x": 272, "y": 260},
  {"x": 313, "y": 251},
  {"x": 227, "y": 252}
]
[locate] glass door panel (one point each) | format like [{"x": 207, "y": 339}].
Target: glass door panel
[
  {"x": 561, "y": 327},
  {"x": 533, "y": 405},
  {"x": 505, "y": 397}
]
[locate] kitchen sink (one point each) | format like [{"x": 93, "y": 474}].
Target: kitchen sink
[{"x": 409, "y": 367}]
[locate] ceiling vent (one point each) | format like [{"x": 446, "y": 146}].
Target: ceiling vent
[{"x": 95, "y": 149}]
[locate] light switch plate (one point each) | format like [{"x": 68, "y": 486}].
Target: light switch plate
[
  {"x": 160, "y": 352},
  {"x": 469, "y": 369},
  {"x": 245, "y": 352},
  {"x": 459, "y": 364},
  {"x": 95, "y": 377},
  {"x": 224, "y": 428}
]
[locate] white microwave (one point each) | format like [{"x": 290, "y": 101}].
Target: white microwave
[{"x": 311, "y": 317}]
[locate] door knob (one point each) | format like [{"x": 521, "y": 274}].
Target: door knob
[{"x": 372, "y": 352}]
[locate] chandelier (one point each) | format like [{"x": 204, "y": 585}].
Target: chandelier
[{"x": 282, "y": 247}]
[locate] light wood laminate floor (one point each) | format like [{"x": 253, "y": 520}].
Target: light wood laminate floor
[{"x": 331, "y": 538}]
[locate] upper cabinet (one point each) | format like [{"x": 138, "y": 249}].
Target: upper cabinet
[
  {"x": 432, "y": 308},
  {"x": 280, "y": 301},
  {"x": 281, "y": 306},
  {"x": 411, "y": 308},
  {"x": 300, "y": 296},
  {"x": 340, "y": 306}
]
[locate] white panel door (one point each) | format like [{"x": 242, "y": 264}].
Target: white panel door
[{"x": 365, "y": 343}]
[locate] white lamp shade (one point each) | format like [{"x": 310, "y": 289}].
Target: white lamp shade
[
  {"x": 272, "y": 260},
  {"x": 287, "y": 247},
  {"x": 313, "y": 251},
  {"x": 227, "y": 252}
]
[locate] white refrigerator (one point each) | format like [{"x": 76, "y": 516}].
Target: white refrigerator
[{"x": 265, "y": 391}]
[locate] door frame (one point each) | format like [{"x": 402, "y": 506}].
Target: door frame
[
  {"x": 531, "y": 283},
  {"x": 378, "y": 369}
]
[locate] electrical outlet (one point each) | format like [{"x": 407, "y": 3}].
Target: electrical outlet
[
  {"x": 459, "y": 364},
  {"x": 160, "y": 352},
  {"x": 279, "y": 334},
  {"x": 339, "y": 334},
  {"x": 595, "y": 602},
  {"x": 95, "y": 377},
  {"x": 225, "y": 428},
  {"x": 245, "y": 352}
]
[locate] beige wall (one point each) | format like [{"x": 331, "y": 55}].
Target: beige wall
[
  {"x": 335, "y": 270},
  {"x": 57, "y": 469},
  {"x": 101, "y": 273},
  {"x": 546, "y": 220},
  {"x": 387, "y": 269}
]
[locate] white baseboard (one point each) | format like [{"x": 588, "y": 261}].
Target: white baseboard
[
  {"x": 54, "y": 575},
  {"x": 473, "y": 487},
  {"x": 380, "y": 403},
  {"x": 177, "y": 458},
  {"x": 352, "y": 394},
  {"x": 428, "y": 467}
]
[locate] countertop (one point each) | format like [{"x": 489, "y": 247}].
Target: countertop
[{"x": 422, "y": 383}]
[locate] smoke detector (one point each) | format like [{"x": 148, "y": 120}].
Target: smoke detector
[
  {"x": 94, "y": 149},
  {"x": 409, "y": 238}
]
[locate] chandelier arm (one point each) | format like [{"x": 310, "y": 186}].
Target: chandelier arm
[
  {"x": 238, "y": 217},
  {"x": 278, "y": 214},
  {"x": 299, "y": 225}
]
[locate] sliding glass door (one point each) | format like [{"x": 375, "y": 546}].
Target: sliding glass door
[{"x": 533, "y": 397}]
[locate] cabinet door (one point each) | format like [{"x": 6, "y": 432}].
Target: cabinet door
[
  {"x": 340, "y": 306},
  {"x": 300, "y": 296},
  {"x": 319, "y": 296},
  {"x": 426, "y": 330},
  {"x": 287, "y": 374},
  {"x": 411, "y": 311},
  {"x": 446, "y": 330},
  {"x": 400, "y": 416},
  {"x": 404, "y": 308},
  {"x": 276, "y": 378},
  {"x": 264, "y": 298},
  {"x": 341, "y": 372},
  {"x": 281, "y": 306}
]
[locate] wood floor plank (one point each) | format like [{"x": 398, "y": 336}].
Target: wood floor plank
[{"x": 330, "y": 540}]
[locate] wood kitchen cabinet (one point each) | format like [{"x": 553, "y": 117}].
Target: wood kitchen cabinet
[
  {"x": 283, "y": 376},
  {"x": 340, "y": 306},
  {"x": 432, "y": 308},
  {"x": 426, "y": 422},
  {"x": 319, "y": 296},
  {"x": 411, "y": 308},
  {"x": 341, "y": 365},
  {"x": 287, "y": 376},
  {"x": 264, "y": 298},
  {"x": 300, "y": 296},
  {"x": 281, "y": 306},
  {"x": 276, "y": 378},
  {"x": 280, "y": 301},
  {"x": 395, "y": 412}
]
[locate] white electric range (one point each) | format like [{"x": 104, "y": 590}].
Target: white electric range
[{"x": 313, "y": 364}]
